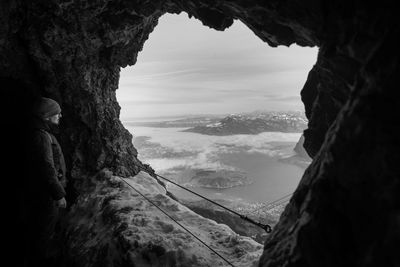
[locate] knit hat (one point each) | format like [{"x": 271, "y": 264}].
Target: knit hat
[{"x": 47, "y": 107}]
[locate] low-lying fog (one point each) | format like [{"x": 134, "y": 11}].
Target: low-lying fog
[{"x": 243, "y": 168}]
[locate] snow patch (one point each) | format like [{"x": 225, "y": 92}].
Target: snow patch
[{"x": 152, "y": 239}]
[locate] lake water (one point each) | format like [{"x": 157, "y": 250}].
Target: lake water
[{"x": 170, "y": 151}]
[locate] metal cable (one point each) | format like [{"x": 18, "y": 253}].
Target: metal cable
[
  {"x": 266, "y": 227},
  {"x": 169, "y": 216}
]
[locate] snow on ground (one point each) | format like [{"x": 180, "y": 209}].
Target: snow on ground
[
  {"x": 241, "y": 251},
  {"x": 116, "y": 224}
]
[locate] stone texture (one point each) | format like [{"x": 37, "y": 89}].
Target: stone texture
[
  {"x": 324, "y": 94},
  {"x": 345, "y": 211}
]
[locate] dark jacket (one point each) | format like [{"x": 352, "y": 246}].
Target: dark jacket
[{"x": 50, "y": 162}]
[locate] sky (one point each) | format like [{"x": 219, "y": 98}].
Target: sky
[{"x": 186, "y": 68}]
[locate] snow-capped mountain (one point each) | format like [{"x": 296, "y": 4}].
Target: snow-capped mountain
[{"x": 254, "y": 123}]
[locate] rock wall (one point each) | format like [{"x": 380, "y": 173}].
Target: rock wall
[
  {"x": 345, "y": 211},
  {"x": 70, "y": 52}
]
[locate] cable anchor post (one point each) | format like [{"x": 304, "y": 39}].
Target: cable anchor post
[{"x": 267, "y": 228}]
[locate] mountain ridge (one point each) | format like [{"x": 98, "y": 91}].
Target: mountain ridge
[{"x": 254, "y": 123}]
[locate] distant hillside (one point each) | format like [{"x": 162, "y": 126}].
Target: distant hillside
[
  {"x": 180, "y": 123},
  {"x": 254, "y": 123},
  {"x": 301, "y": 158},
  {"x": 299, "y": 148}
]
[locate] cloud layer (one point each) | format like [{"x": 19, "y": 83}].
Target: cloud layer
[{"x": 176, "y": 149}]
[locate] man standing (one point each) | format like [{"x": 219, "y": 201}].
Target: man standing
[{"x": 47, "y": 189}]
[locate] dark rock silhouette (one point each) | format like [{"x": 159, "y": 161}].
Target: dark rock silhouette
[{"x": 346, "y": 208}]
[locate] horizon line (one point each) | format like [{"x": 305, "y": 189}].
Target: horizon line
[{"x": 207, "y": 114}]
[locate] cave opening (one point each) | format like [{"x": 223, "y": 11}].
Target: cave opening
[
  {"x": 188, "y": 76},
  {"x": 345, "y": 210}
]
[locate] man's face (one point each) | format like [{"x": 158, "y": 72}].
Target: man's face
[{"x": 55, "y": 119}]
